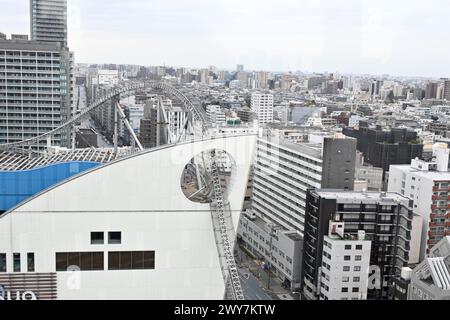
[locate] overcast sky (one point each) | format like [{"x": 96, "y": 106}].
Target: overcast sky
[{"x": 397, "y": 37}]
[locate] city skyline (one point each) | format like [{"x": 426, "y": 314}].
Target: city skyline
[{"x": 354, "y": 37}]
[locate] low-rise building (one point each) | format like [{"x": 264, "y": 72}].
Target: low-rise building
[
  {"x": 283, "y": 250},
  {"x": 430, "y": 280}
]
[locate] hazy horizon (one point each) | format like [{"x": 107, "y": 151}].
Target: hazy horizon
[{"x": 399, "y": 38}]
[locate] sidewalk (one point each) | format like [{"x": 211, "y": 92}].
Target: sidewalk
[{"x": 273, "y": 286}]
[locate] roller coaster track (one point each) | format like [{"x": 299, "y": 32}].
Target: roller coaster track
[
  {"x": 220, "y": 213},
  {"x": 196, "y": 111}
]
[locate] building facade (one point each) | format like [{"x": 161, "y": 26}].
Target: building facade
[
  {"x": 262, "y": 105},
  {"x": 381, "y": 148},
  {"x": 427, "y": 184},
  {"x": 35, "y": 89},
  {"x": 384, "y": 217},
  {"x": 345, "y": 262},
  {"x": 283, "y": 250},
  {"x": 285, "y": 170},
  {"x": 48, "y": 21}
]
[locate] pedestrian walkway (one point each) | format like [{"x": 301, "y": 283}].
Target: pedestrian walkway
[{"x": 272, "y": 286}]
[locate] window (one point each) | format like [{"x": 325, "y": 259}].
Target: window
[
  {"x": 347, "y": 258},
  {"x": 359, "y": 247},
  {"x": 2, "y": 262},
  {"x": 345, "y": 279},
  {"x": 97, "y": 238},
  {"x": 30, "y": 262},
  {"x": 16, "y": 262},
  {"x": 86, "y": 261},
  {"x": 357, "y": 268},
  {"x": 345, "y": 289},
  {"x": 131, "y": 260},
  {"x": 358, "y": 258},
  {"x": 346, "y": 268},
  {"x": 356, "y": 279},
  {"x": 348, "y": 247},
  {"x": 355, "y": 289},
  {"x": 115, "y": 237}
]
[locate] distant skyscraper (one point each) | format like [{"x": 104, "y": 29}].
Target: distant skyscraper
[
  {"x": 240, "y": 68},
  {"x": 48, "y": 20},
  {"x": 262, "y": 79},
  {"x": 447, "y": 89},
  {"x": 431, "y": 90}
]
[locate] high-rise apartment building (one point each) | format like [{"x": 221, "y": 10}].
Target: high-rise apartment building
[
  {"x": 385, "y": 218},
  {"x": 427, "y": 184},
  {"x": 35, "y": 87},
  {"x": 285, "y": 170},
  {"x": 262, "y": 105},
  {"x": 48, "y": 21}
]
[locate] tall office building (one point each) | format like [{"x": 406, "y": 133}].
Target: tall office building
[
  {"x": 240, "y": 68},
  {"x": 386, "y": 220},
  {"x": 262, "y": 105},
  {"x": 34, "y": 89},
  {"x": 48, "y": 21}
]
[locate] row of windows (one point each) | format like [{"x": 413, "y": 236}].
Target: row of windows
[
  {"x": 98, "y": 237},
  {"x": 347, "y": 279},
  {"x": 117, "y": 260},
  {"x": 357, "y": 247},
  {"x": 16, "y": 262},
  {"x": 357, "y": 258}
]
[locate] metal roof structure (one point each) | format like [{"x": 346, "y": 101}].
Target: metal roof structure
[{"x": 10, "y": 161}]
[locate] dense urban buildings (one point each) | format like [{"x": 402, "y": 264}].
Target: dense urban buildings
[
  {"x": 207, "y": 182},
  {"x": 426, "y": 184}
]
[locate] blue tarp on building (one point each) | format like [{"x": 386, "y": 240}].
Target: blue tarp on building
[{"x": 17, "y": 186}]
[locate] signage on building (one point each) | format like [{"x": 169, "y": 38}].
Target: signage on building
[
  {"x": 17, "y": 295},
  {"x": 28, "y": 286}
]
